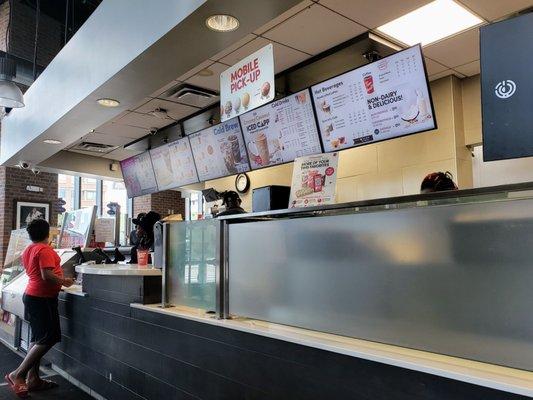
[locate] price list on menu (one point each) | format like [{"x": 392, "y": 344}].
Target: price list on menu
[
  {"x": 382, "y": 100},
  {"x": 219, "y": 151},
  {"x": 138, "y": 174},
  {"x": 182, "y": 162},
  {"x": 281, "y": 131}
]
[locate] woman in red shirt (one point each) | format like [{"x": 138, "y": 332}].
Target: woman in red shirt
[{"x": 42, "y": 265}]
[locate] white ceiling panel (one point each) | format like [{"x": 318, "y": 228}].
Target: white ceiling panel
[
  {"x": 373, "y": 13},
  {"x": 314, "y": 30},
  {"x": 209, "y": 82},
  {"x": 495, "y": 9},
  {"x": 457, "y": 50},
  {"x": 434, "y": 67},
  {"x": 194, "y": 70},
  {"x": 143, "y": 121},
  {"x": 175, "y": 110},
  {"x": 286, "y": 15},
  {"x": 233, "y": 47},
  {"x": 122, "y": 130},
  {"x": 88, "y": 153},
  {"x": 113, "y": 140},
  {"x": 121, "y": 154},
  {"x": 469, "y": 69},
  {"x": 284, "y": 57}
]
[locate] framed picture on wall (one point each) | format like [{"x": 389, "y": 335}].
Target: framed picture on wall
[{"x": 26, "y": 211}]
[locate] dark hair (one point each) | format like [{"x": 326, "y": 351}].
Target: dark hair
[
  {"x": 38, "y": 230},
  {"x": 438, "y": 182}
]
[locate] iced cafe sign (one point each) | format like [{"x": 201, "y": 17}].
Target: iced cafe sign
[{"x": 248, "y": 84}]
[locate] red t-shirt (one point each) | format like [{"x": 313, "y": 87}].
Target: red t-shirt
[{"x": 39, "y": 256}]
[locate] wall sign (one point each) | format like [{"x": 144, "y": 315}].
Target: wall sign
[
  {"x": 247, "y": 84},
  {"x": 506, "y": 88}
]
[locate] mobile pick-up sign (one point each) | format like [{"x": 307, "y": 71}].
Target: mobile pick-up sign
[{"x": 247, "y": 84}]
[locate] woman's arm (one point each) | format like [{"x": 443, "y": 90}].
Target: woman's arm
[{"x": 48, "y": 276}]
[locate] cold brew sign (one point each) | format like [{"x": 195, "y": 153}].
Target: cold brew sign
[{"x": 248, "y": 84}]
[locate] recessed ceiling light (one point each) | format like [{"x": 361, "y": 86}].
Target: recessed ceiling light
[
  {"x": 205, "y": 72},
  {"x": 222, "y": 23},
  {"x": 52, "y": 141},
  {"x": 432, "y": 22},
  {"x": 108, "y": 102}
]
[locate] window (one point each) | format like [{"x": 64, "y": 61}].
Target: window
[
  {"x": 115, "y": 192},
  {"x": 195, "y": 206},
  {"x": 88, "y": 192},
  {"x": 65, "y": 191}
]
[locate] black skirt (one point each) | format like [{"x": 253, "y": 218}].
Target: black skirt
[{"x": 43, "y": 315}]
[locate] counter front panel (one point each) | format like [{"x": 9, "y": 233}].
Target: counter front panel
[{"x": 453, "y": 279}]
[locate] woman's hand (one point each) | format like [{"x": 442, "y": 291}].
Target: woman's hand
[{"x": 68, "y": 282}]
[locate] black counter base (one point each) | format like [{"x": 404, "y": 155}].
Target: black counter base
[{"x": 127, "y": 353}]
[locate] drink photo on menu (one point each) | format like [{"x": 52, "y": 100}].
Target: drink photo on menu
[{"x": 280, "y": 131}]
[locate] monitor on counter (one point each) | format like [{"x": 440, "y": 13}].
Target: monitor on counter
[
  {"x": 280, "y": 131},
  {"x": 174, "y": 165},
  {"x": 138, "y": 174},
  {"x": 382, "y": 100},
  {"x": 219, "y": 151}
]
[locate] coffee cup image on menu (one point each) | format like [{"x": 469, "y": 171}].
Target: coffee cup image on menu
[
  {"x": 229, "y": 157},
  {"x": 368, "y": 81},
  {"x": 325, "y": 107},
  {"x": 301, "y": 98},
  {"x": 328, "y": 130},
  {"x": 259, "y": 149}
]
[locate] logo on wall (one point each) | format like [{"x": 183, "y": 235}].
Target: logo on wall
[{"x": 505, "y": 89}]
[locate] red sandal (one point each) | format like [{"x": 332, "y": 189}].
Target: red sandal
[{"x": 20, "y": 389}]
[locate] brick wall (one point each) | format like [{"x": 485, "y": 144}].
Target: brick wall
[
  {"x": 13, "y": 183},
  {"x": 165, "y": 202}
]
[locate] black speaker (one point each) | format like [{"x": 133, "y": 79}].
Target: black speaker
[
  {"x": 507, "y": 88},
  {"x": 268, "y": 198}
]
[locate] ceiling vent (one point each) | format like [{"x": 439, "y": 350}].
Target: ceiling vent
[
  {"x": 94, "y": 147},
  {"x": 191, "y": 95}
]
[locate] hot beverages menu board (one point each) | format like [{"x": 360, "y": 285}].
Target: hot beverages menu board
[
  {"x": 382, "y": 100},
  {"x": 281, "y": 131},
  {"x": 174, "y": 165},
  {"x": 219, "y": 150},
  {"x": 138, "y": 174}
]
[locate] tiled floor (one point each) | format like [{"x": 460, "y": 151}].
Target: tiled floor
[{"x": 66, "y": 391}]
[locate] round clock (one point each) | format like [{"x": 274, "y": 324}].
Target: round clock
[{"x": 242, "y": 183}]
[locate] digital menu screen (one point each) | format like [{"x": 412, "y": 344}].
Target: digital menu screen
[
  {"x": 174, "y": 165},
  {"x": 382, "y": 100},
  {"x": 281, "y": 131},
  {"x": 219, "y": 150},
  {"x": 138, "y": 174}
]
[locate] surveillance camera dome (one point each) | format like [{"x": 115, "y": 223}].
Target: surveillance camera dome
[
  {"x": 153, "y": 131},
  {"x": 24, "y": 164},
  {"x": 36, "y": 171}
]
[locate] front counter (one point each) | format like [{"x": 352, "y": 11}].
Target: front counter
[{"x": 423, "y": 297}]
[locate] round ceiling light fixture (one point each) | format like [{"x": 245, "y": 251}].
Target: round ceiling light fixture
[
  {"x": 52, "y": 141},
  {"x": 206, "y": 72},
  {"x": 10, "y": 94},
  {"x": 222, "y": 23},
  {"x": 106, "y": 102}
]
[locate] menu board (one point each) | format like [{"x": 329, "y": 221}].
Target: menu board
[
  {"x": 281, "y": 131},
  {"x": 219, "y": 150},
  {"x": 139, "y": 176},
  {"x": 173, "y": 165},
  {"x": 382, "y": 100}
]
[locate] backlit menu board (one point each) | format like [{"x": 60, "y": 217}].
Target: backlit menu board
[
  {"x": 138, "y": 174},
  {"x": 382, "y": 100},
  {"x": 174, "y": 165},
  {"x": 281, "y": 131},
  {"x": 219, "y": 150}
]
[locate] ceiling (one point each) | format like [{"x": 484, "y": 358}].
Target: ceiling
[{"x": 301, "y": 32}]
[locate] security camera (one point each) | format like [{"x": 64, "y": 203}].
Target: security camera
[
  {"x": 36, "y": 171},
  {"x": 153, "y": 131},
  {"x": 24, "y": 165}
]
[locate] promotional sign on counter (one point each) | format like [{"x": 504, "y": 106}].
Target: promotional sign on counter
[
  {"x": 281, "y": 131},
  {"x": 247, "y": 84},
  {"x": 219, "y": 151},
  {"x": 314, "y": 180},
  {"x": 104, "y": 230},
  {"x": 382, "y": 100}
]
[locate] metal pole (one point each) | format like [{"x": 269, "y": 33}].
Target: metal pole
[{"x": 164, "y": 295}]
